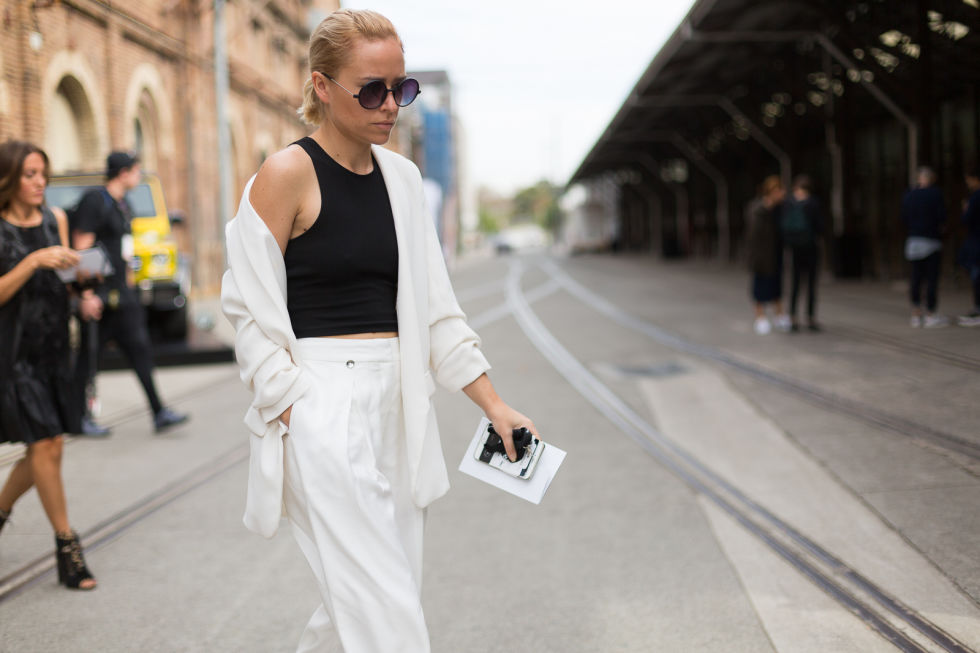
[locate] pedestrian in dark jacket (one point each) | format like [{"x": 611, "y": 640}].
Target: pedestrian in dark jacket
[
  {"x": 103, "y": 216},
  {"x": 766, "y": 256},
  {"x": 924, "y": 215},
  {"x": 801, "y": 226},
  {"x": 969, "y": 254}
]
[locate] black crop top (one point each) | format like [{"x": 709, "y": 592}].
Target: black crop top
[{"x": 342, "y": 272}]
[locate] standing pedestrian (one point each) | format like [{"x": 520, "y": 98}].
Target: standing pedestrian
[
  {"x": 345, "y": 317},
  {"x": 103, "y": 216},
  {"x": 969, "y": 254},
  {"x": 766, "y": 255},
  {"x": 924, "y": 215},
  {"x": 802, "y": 225},
  {"x": 36, "y": 396}
]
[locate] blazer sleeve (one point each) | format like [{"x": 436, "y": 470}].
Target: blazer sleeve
[
  {"x": 267, "y": 369},
  {"x": 455, "y": 355},
  {"x": 254, "y": 302}
]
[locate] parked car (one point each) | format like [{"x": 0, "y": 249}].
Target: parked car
[{"x": 161, "y": 286}]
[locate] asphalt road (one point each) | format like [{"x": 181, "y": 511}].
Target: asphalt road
[{"x": 722, "y": 491}]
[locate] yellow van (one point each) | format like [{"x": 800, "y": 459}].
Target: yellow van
[{"x": 161, "y": 283}]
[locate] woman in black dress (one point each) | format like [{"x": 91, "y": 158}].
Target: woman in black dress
[
  {"x": 36, "y": 405},
  {"x": 766, "y": 256}
]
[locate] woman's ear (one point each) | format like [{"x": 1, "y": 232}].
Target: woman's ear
[{"x": 321, "y": 87}]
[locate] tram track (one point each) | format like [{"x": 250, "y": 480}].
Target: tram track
[
  {"x": 107, "y": 530},
  {"x": 113, "y": 526},
  {"x": 906, "y": 346},
  {"x": 909, "y": 346},
  {"x": 896, "y": 622},
  {"x": 870, "y": 414}
]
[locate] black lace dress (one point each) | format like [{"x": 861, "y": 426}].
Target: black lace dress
[{"x": 36, "y": 396}]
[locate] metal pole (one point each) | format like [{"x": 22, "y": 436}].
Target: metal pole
[
  {"x": 224, "y": 137},
  {"x": 709, "y": 170},
  {"x": 682, "y": 217},
  {"x": 655, "y": 211},
  {"x": 721, "y": 191}
]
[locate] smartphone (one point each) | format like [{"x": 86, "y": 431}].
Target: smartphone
[{"x": 489, "y": 451}]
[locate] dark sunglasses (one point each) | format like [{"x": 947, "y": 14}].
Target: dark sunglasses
[{"x": 373, "y": 94}]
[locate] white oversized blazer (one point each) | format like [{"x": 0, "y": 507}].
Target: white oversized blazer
[{"x": 433, "y": 337}]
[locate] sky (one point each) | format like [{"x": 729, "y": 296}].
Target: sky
[{"x": 535, "y": 82}]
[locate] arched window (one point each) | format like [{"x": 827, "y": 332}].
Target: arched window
[
  {"x": 146, "y": 132},
  {"x": 71, "y": 139}
]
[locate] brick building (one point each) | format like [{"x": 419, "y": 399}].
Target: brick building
[{"x": 83, "y": 77}]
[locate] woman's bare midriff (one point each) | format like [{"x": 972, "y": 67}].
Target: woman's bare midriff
[{"x": 366, "y": 336}]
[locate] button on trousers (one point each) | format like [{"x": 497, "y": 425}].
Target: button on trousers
[{"x": 348, "y": 498}]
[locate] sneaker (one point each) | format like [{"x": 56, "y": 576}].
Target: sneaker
[
  {"x": 916, "y": 321},
  {"x": 92, "y": 429},
  {"x": 166, "y": 418},
  {"x": 969, "y": 320},
  {"x": 935, "y": 321},
  {"x": 814, "y": 326},
  {"x": 762, "y": 326},
  {"x": 783, "y": 323}
]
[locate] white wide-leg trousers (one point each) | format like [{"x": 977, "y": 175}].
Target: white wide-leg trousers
[{"x": 348, "y": 497}]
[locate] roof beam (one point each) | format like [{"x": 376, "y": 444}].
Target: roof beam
[
  {"x": 781, "y": 156},
  {"x": 769, "y": 36}
]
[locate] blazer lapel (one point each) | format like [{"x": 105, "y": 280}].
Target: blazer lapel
[
  {"x": 415, "y": 399},
  {"x": 400, "y": 211}
]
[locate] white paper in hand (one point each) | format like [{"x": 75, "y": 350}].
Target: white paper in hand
[
  {"x": 92, "y": 262},
  {"x": 532, "y": 489}
]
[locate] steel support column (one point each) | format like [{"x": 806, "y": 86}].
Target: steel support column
[
  {"x": 682, "y": 217},
  {"x": 722, "y": 217}
]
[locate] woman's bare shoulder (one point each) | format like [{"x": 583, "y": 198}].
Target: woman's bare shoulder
[
  {"x": 281, "y": 175},
  {"x": 278, "y": 190}
]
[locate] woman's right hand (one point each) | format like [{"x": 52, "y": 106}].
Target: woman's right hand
[
  {"x": 284, "y": 418},
  {"x": 55, "y": 257},
  {"x": 90, "y": 306}
]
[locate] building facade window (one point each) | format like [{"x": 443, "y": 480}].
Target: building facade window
[{"x": 70, "y": 136}]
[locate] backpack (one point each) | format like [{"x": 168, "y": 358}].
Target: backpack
[
  {"x": 796, "y": 228},
  {"x": 72, "y": 211}
]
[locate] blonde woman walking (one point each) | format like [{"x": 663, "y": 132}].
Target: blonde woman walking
[{"x": 346, "y": 320}]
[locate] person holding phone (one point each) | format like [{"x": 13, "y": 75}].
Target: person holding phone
[
  {"x": 345, "y": 321},
  {"x": 37, "y": 403}
]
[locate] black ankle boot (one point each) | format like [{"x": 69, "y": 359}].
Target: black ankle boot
[
  {"x": 4, "y": 516},
  {"x": 72, "y": 571}
]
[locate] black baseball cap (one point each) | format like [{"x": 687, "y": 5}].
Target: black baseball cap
[{"x": 118, "y": 161}]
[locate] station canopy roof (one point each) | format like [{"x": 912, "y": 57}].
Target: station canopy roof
[{"x": 741, "y": 70}]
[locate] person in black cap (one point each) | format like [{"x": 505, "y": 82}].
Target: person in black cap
[{"x": 103, "y": 216}]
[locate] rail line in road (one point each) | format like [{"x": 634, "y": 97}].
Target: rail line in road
[
  {"x": 113, "y": 526},
  {"x": 899, "y": 624},
  {"x": 811, "y": 393}
]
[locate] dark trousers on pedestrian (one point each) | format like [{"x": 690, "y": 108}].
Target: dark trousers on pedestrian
[
  {"x": 925, "y": 270},
  {"x": 126, "y": 326},
  {"x": 804, "y": 263}
]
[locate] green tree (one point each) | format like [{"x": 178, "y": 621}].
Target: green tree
[
  {"x": 538, "y": 204},
  {"x": 487, "y": 224}
]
